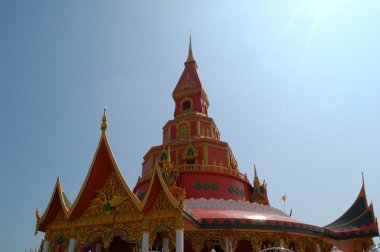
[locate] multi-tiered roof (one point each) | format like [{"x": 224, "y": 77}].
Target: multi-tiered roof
[{"x": 190, "y": 181}]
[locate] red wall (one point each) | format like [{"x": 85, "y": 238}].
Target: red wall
[
  {"x": 173, "y": 132},
  {"x": 193, "y": 128},
  {"x": 189, "y": 180},
  {"x": 216, "y": 154}
]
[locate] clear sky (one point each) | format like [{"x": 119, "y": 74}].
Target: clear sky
[{"x": 294, "y": 87}]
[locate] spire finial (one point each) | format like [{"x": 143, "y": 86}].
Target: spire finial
[
  {"x": 363, "y": 178},
  {"x": 104, "y": 124},
  {"x": 190, "y": 56}
]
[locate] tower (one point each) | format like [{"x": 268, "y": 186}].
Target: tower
[{"x": 191, "y": 141}]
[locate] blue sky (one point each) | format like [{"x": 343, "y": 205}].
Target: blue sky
[{"x": 294, "y": 88}]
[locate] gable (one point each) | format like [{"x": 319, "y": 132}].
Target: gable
[
  {"x": 58, "y": 203},
  {"x": 103, "y": 167},
  {"x": 156, "y": 186},
  {"x": 111, "y": 198}
]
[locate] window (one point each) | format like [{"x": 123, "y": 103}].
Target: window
[
  {"x": 186, "y": 105},
  {"x": 190, "y": 152},
  {"x": 190, "y": 155},
  {"x": 164, "y": 156}
]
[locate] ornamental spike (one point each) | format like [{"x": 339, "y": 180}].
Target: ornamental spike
[
  {"x": 104, "y": 124},
  {"x": 363, "y": 178},
  {"x": 190, "y": 55}
]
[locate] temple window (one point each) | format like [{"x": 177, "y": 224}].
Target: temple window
[
  {"x": 190, "y": 155},
  {"x": 186, "y": 105},
  {"x": 163, "y": 156},
  {"x": 190, "y": 152}
]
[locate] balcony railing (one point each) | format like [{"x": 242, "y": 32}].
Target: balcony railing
[{"x": 199, "y": 168}]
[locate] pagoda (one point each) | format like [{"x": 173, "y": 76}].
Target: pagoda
[{"x": 190, "y": 197}]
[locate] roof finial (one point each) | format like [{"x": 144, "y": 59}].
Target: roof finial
[
  {"x": 104, "y": 124},
  {"x": 190, "y": 56},
  {"x": 363, "y": 178}
]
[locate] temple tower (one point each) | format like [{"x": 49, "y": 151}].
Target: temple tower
[{"x": 191, "y": 144}]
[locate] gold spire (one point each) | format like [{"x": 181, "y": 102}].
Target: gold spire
[
  {"x": 363, "y": 178},
  {"x": 256, "y": 181},
  {"x": 104, "y": 124},
  {"x": 190, "y": 56}
]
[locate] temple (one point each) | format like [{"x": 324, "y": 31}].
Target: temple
[{"x": 190, "y": 197}]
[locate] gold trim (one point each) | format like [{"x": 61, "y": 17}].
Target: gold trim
[
  {"x": 157, "y": 171},
  {"x": 57, "y": 189},
  {"x": 125, "y": 185}
]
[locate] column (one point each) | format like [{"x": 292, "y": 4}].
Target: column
[
  {"x": 227, "y": 244},
  {"x": 318, "y": 247},
  {"x": 98, "y": 247},
  {"x": 282, "y": 244},
  {"x": 165, "y": 244},
  {"x": 198, "y": 128},
  {"x": 179, "y": 240},
  {"x": 45, "y": 247},
  {"x": 71, "y": 245},
  {"x": 145, "y": 242}
]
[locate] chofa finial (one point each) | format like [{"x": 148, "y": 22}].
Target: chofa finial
[{"x": 104, "y": 124}]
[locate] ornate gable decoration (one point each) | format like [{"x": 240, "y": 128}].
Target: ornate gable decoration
[
  {"x": 159, "y": 185},
  {"x": 111, "y": 198}
]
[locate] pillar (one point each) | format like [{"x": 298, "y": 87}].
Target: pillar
[
  {"x": 282, "y": 244},
  {"x": 165, "y": 244},
  {"x": 318, "y": 247},
  {"x": 179, "y": 246},
  {"x": 227, "y": 244},
  {"x": 98, "y": 247},
  {"x": 71, "y": 245},
  {"x": 45, "y": 247},
  {"x": 198, "y": 128},
  {"x": 145, "y": 242}
]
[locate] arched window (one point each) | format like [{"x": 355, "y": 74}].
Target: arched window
[
  {"x": 190, "y": 155},
  {"x": 163, "y": 156},
  {"x": 190, "y": 152},
  {"x": 186, "y": 105}
]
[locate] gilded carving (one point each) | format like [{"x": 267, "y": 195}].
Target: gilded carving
[
  {"x": 121, "y": 217},
  {"x": 111, "y": 198},
  {"x": 162, "y": 208},
  {"x": 258, "y": 240}
]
